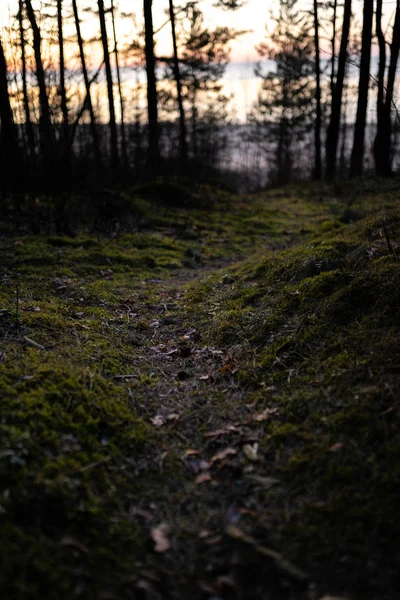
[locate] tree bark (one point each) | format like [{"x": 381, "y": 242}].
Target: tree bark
[
  {"x": 182, "y": 120},
  {"x": 45, "y": 119},
  {"x": 357, "y": 155},
  {"x": 121, "y": 98},
  {"x": 28, "y": 123},
  {"x": 153, "y": 154},
  {"x": 88, "y": 99},
  {"x": 11, "y": 159},
  {"x": 332, "y": 136},
  {"x": 110, "y": 90},
  {"x": 333, "y": 48},
  {"x": 381, "y": 86},
  {"x": 383, "y": 142},
  {"x": 317, "y": 131},
  {"x": 63, "y": 91}
]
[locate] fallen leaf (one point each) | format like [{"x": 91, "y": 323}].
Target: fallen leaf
[
  {"x": 167, "y": 350},
  {"x": 187, "y": 335},
  {"x": 229, "y": 367},
  {"x": 250, "y": 451},
  {"x": 204, "y": 533},
  {"x": 213, "y": 541},
  {"x": 265, "y": 414},
  {"x": 336, "y": 447},
  {"x": 191, "y": 452},
  {"x": 173, "y": 417},
  {"x": 158, "y": 420},
  {"x": 226, "y": 430},
  {"x": 159, "y": 535},
  {"x": 203, "y": 477},
  {"x": 222, "y": 454},
  {"x": 68, "y": 540},
  {"x": 265, "y": 482}
]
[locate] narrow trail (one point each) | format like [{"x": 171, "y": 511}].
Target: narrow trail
[
  {"x": 207, "y": 474},
  {"x": 205, "y": 411}
]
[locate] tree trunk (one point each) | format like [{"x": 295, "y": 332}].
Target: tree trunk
[
  {"x": 121, "y": 98},
  {"x": 11, "y": 160},
  {"x": 45, "y": 120},
  {"x": 63, "y": 91},
  {"x": 182, "y": 121},
  {"x": 88, "y": 99},
  {"x": 153, "y": 155},
  {"x": 381, "y": 87},
  {"x": 110, "y": 91},
  {"x": 28, "y": 123},
  {"x": 318, "y": 119},
  {"x": 333, "y": 48},
  {"x": 334, "y": 123},
  {"x": 357, "y": 155},
  {"x": 384, "y": 136}
]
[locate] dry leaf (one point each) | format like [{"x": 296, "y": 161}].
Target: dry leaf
[
  {"x": 203, "y": 477},
  {"x": 191, "y": 452},
  {"x": 224, "y": 431},
  {"x": 159, "y": 535},
  {"x": 265, "y": 414},
  {"x": 264, "y": 482},
  {"x": 173, "y": 417},
  {"x": 222, "y": 454},
  {"x": 158, "y": 420},
  {"x": 336, "y": 447},
  {"x": 250, "y": 451},
  {"x": 68, "y": 540}
]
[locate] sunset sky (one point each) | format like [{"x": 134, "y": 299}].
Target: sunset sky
[{"x": 252, "y": 17}]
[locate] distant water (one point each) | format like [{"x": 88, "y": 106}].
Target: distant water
[{"x": 243, "y": 85}]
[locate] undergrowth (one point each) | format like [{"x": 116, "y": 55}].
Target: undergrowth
[{"x": 271, "y": 320}]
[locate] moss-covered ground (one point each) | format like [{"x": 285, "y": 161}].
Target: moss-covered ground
[{"x": 204, "y": 402}]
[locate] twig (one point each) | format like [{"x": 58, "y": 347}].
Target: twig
[
  {"x": 17, "y": 307},
  {"x": 389, "y": 244},
  {"x": 33, "y": 343}
]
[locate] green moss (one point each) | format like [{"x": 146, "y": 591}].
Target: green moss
[{"x": 281, "y": 308}]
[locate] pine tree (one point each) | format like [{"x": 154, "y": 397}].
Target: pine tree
[{"x": 285, "y": 106}]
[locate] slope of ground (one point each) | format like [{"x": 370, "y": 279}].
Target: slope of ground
[{"x": 207, "y": 407}]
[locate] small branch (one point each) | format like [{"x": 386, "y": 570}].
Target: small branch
[
  {"x": 17, "y": 307},
  {"x": 32, "y": 343}
]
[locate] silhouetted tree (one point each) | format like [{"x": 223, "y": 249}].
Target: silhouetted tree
[
  {"x": 63, "y": 91},
  {"x": 45, "y": 128},
  {"x": 27, "y": 111},
  {"x": 88, "y": 98},
  {"x": 332, "y": 136},
  {"x": 357, "y": 154},
  {"x": 177, "y": 74},
  {"x": 119, "y": 82},
  {"x": 110, "y": 90},
  {"x": 153, "y": 154},
  {"x": 10, "y": 155},
  {"x": 318, "y": 110},
  {"x": 286, "y": 103},
  {"x": 383, "y": 141}
]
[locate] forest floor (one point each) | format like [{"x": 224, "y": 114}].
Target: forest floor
[{"x": 206, "y": 408}]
